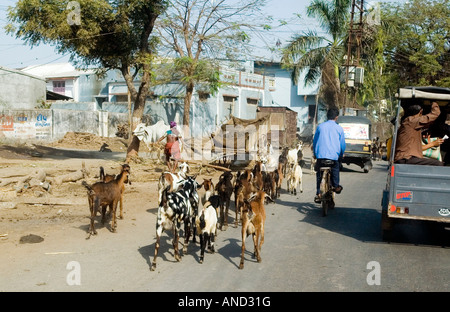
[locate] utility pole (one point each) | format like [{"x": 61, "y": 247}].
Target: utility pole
[{"x": 355, "y": 33}]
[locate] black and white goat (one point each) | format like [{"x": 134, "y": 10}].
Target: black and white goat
[
  {"x": 174, "y": 180},
  {"x": 176, "y": 208}
]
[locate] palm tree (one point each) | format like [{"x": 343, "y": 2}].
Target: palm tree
[{"x": 319, "y": 55}]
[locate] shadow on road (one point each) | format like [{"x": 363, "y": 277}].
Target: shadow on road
[
  {"x": 364, "y": 225},
  {"x": 165, "y": 252}
]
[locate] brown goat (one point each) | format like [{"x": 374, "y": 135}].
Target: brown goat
[
  {"x": 208, "y": 186},
  {"x": 110, "y": 177},
  {"x": 106, "y": 177},
  {"x": 283, "y": 160},
  {"x": 269, "y": 184},
  {"x": 103, "y": 194},
  {"x": 243, "y": 189},
  {"x": 258, "y": 181},
  {"x": 279, "y": 171},
  {"x": 224, "y": 189},
  {"x": 253, "y": 220}
]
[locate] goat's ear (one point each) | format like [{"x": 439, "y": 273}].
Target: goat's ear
[{"x": 164, "y": 196}]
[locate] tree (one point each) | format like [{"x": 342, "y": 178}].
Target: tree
[
  {"x": 321, "y": 56},
  {"x": 100, "y": 33},
  {"x": 418, "y": 51},
  {"x": 373, "y": 91},
  {"x": 196, "y": 32}
]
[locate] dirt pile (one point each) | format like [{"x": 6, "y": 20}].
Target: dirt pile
[{"x": 89, "y": 141}]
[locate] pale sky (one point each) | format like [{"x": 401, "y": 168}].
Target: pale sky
[{"x": 15, "y": 54}]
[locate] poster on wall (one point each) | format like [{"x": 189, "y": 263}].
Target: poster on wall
[
  {"x": 43, "y": 126},
  {"x": 26, "y": 125},
  {"x": 6, "y": 123},
  {"x": 23, "y": 129}
]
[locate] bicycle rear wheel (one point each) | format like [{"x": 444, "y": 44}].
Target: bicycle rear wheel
[
  {"x": 331, "y": 205},
  {"x": 324, "y": 207},
  {"x": 324, "y": 187}
]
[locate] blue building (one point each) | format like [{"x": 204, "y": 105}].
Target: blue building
[
  {"x": 299, "y": 98},
  {"x": 246, "y": 85}
]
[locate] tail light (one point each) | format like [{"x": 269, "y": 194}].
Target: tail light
[{"x": 399, "y": 210}]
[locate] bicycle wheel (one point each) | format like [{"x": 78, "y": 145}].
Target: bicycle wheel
[
  {"x": 324, "y": 187},
  {"x": 331, "y": 201},
  {"x": 324, "y": 207}
]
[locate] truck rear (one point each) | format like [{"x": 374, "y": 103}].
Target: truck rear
[{"x": 418, "y": 192}]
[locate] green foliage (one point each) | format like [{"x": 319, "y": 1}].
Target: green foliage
[
  {"x": 190, "y": 71},
  {"x": 95, "y": 33},
  {"x": 109, "y": 33},
  {"x": 320, "y": 55},
  {"x": 418, "y": 50}
]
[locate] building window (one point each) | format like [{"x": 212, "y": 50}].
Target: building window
[
  {"x": 203, "y": 96},
  {"x": 311, "y": 113},
  {"x": 59, "y": 87},
  {"x": 122, "y": 98},
  {"x": 252, "y": 101},
  {"x": 272, "y": 84},
  {"x": 228, "y": 104}
]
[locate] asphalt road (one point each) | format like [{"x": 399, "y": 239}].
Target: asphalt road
[{"x": 303, "y": 251}]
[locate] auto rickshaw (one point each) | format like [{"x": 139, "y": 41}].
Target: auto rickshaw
[
  {"x": 418, "y": 192},
  {"x": 358, "y": 141}
]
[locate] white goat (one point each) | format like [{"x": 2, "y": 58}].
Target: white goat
[
  {"x": 206, "y": 223},
  {"x": 294, "y": 180},
  {"x": 292, "y": 158}
]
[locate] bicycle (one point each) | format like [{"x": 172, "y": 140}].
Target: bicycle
[{"x": 326, "y": 191}]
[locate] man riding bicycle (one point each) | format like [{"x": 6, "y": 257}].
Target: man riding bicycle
[{"x": 328, "y": 147}]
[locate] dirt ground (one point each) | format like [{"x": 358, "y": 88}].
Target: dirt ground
[{"x": 37, "y": 195}]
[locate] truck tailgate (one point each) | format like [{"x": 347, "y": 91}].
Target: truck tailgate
[{"x": 420, "y": 192}]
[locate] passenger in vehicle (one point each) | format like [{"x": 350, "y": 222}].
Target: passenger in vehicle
[
  {"x": 441, "y": 128},
  {"x": 408, "y": 149},
  {"x": 431, "y": 146}
]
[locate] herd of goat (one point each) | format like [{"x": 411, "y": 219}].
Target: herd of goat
[{"x": 203, "y": 207}]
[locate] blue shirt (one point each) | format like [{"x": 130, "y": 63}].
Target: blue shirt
[{"x": 329, "y": 141}]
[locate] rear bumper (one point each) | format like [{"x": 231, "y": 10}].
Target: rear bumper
[{"x": 360, "y": 159}]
